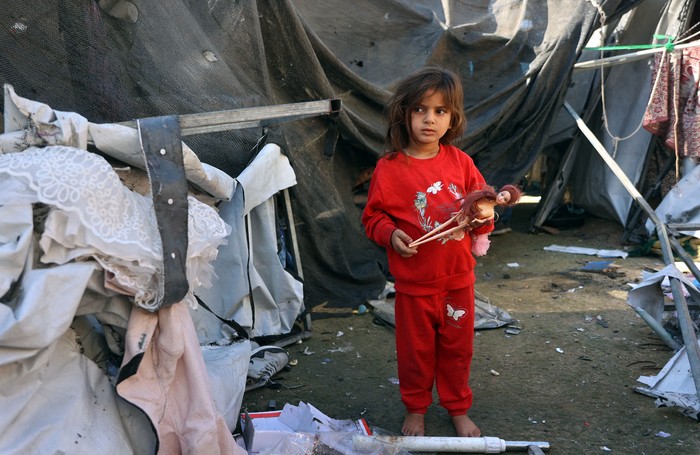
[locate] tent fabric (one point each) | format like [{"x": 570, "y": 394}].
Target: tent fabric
[
  {"x": 680, "y": 205},
  {"x": 97, "y": 217},
  {"x": 252, "y": 285},
  {"x": 42, "y": 367},
  {"x": 137, "y": 59},
  {"x": 674, "y": 101},
  {"x": 75, "y": 244},
  {"x": 617, "y": 117},
  {"x": 28, "y": 123}
]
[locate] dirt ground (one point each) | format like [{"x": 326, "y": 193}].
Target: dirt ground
[{"x": 567, "y": 378}]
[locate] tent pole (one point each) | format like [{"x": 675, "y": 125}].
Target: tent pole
[
  {"x": 688, "y": 330},
  {"x": 251, "y": 117},
  {"x": 626, "y": 58}
]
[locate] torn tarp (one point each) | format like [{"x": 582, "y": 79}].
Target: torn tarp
[
  {"x": 673, "y": 386},
  {"x": 589, "y": 251},
  {"x": 486, "y": 315},
  {"x": 649, "y": 295},
  {"x": 680, "y": 205}
]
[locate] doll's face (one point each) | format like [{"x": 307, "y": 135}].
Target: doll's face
[{"x": 503, "y": 198}]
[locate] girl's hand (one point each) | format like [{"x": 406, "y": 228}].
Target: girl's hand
[{"x": 400, "y": 241}]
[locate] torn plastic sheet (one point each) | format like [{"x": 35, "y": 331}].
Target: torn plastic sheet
[
  {"x": 589, "y": 251},
  {"x": 304, "y": 429},
  {"x": 306, "y": 418},
  {"x": 30, "y": 123},
  {"x": 648, "y": 295},
  {"x": 332, "y": 442},
  {"x": 680, "y": 205},
  {"x": 673, "y": 386},
  {"x": 486, "y": 315}
]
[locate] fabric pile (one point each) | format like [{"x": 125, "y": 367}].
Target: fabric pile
[{"x": 77, "y": 243}]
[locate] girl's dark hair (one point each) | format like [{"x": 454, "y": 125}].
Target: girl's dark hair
[{"x": 409, "y": 94}]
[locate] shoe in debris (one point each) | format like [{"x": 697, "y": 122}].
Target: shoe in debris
[{"x": 265, "y": 362}]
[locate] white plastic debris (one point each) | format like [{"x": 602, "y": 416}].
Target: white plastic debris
[
  {"x": 590, "y": 251},
  {"x": 210, "y": 56}
]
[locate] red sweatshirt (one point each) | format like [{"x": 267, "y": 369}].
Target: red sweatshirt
[{"x": 416, "y": 196}]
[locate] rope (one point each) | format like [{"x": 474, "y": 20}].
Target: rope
[
  {"x": 617, "y": 139},
  {"x": 599, "y": 7},
  {"x": 668, "y": 52}
]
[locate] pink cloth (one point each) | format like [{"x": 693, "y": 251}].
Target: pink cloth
[
  {"x": 480, "y": 244},
  {"x": 674, "y": 112},
  {"x": 171, "y": 385}
]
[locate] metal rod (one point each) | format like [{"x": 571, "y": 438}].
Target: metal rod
[
  {"x": 686, "y": 323},
  {"x": 626, "y": 58},
  {"x": 684, "y": 227},
  {"x": 212, "y": 122},
  {"x": 293, "y": 231},
  {"x": 658, "y": 328}
]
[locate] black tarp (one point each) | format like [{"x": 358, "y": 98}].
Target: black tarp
[{"x": 181, "y": 57}]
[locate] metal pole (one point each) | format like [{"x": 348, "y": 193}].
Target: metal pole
[
  {"x": 251, "y": 117},
  {"x": 690, "y": 339}
]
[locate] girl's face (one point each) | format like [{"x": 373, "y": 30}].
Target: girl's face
[{"x": 430, "y": 120}]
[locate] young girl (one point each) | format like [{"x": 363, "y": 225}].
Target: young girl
[{"x": 417, "y": 185}]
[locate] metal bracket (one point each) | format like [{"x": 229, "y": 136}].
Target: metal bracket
[{"x": 162, "y": 149}]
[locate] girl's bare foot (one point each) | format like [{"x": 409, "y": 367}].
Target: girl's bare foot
[
  {"x": 465, "y": 427},
  {"x": 413, "y": 425}
]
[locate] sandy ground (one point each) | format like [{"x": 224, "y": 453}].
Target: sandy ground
[{"x": 566, "y": 379}]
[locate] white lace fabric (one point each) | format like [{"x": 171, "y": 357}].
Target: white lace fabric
[{"x": 94, "y": 216}]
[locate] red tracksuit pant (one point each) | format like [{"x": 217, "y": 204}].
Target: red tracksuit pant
[{"x": 434, "y": 345}]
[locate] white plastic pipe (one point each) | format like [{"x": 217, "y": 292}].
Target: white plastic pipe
[{"x": 366, "y": 444}]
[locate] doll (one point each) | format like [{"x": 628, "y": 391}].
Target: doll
[{"x": 477, "y": 209}]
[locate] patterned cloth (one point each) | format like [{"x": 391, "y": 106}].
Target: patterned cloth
[
  {"x": 94, "y": 216},
  {"x": 673, "y": 111}
]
